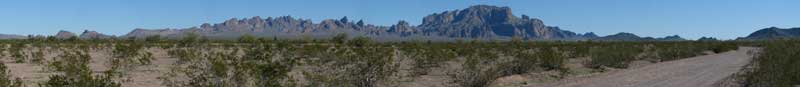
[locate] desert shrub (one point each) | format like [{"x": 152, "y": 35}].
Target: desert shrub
[
  {"x": 76, "y": 73},
  {"x": 366, "y": 65},
  {"x": 247, "y": 38},
  {"x": 370, "y": 66},
  {"x": 724, "y": 46},
  {"x": 258, "y": 67},
  {"x": 776, "y": 66},
  {"x": 475, "y": 72},
  {"x": 153, "y": 39},
  {"x": 17, "y": 52},
  {"x": 616, "y": 56},
  {"x": 339, "y": 38},
  {"x": 551, "y": 59},
  {"x": 674, "y": 51},
  {"x": 360, "y": 41},
  {"x": 37, "y": 56},
  {"x": 268, "y": 70},
  {"x": 354, "y": 66},
  {"x": 211, "y": 71},
  {"x": 524, "y": 61},
  {"x": 184, "y": 54},
  {"x": 189, "y": 39},
  {"x": 426, "y": 56},
  {"x": 126, "y": 55},
  {"x": 5, "y": 78}
]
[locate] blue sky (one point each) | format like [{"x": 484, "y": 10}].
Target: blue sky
[{"x": 692, "y": 19}]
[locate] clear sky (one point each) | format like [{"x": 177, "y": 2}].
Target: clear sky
[{"x": 692, "y": 19}]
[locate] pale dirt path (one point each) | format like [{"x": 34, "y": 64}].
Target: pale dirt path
[{"x": 701, "y": 71}]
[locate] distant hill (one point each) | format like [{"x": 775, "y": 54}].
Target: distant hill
[
  {"x": 773, "y": 33},
  {"x": 624, "y": 36}
]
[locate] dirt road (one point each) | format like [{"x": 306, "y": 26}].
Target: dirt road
[{"x": 701, "y": 71}]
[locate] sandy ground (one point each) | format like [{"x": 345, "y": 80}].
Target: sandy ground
[{"x": 701, "y": 71}]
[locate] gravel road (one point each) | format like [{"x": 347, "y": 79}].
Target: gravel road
[{"x": 701, "y": 71}]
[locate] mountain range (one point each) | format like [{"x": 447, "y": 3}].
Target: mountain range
[{"x": 474, "y": 22}]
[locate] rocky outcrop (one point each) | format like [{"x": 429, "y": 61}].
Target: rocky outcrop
[{"x": 773, "y": 33}]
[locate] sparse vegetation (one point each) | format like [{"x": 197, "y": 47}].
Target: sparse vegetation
[{"x": 341, "y": 61}]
